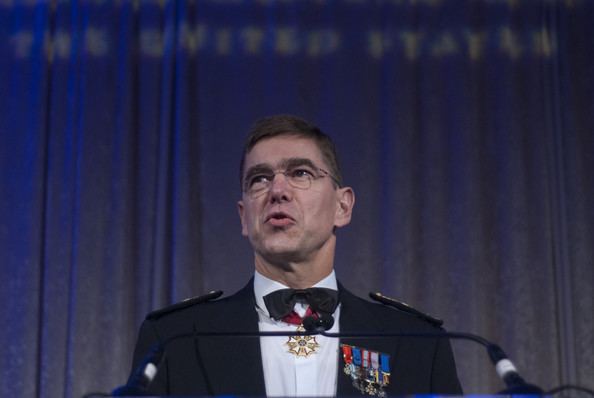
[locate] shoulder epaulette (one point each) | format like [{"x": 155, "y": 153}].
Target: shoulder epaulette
[
  {"x": 185, "y": 303},
  {"x": 377, "y": 296}
]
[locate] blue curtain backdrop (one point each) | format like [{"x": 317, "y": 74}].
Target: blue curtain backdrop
[{"x": 465, "y": 127}]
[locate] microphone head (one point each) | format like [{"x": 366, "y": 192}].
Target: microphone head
[{"x": 321, "y": 324}]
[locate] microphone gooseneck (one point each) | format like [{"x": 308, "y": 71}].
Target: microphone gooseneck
[{"x": 145, "y": 373}]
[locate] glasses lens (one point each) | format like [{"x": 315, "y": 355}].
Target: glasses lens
[
  {"x": 300, "y": 178},
  {"x": 258, "y": 183}
]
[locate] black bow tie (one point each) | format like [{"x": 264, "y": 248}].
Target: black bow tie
[{"x": 280, "y": 303}]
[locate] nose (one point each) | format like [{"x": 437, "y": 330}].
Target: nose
[{"x": 280, "y": 189}]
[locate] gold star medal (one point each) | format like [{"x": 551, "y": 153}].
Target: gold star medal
[{"x": 302, "y": 346}]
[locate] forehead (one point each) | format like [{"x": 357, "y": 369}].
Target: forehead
[{"x": 275, "y": 150}]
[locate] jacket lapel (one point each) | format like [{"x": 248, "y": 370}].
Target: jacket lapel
[{"x": 233, "y": 364}]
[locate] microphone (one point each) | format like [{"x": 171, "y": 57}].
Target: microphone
[
  {"x": 318, "y": 324},
  {"x": 509, "y": 374},
  {"x": 144, "y": 374}
]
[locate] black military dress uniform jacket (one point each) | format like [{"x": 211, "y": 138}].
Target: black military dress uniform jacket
[{"x": 223, "y": 365}]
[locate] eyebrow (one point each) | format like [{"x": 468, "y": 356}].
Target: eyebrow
[{"x": 283, "y": 164}]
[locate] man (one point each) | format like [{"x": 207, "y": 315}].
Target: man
[{"x": 293, "y": 200}]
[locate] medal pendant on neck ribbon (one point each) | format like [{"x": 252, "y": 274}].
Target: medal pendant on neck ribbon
[{"x": 302, "y": 346}]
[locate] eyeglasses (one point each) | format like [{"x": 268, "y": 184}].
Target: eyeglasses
[{"x": 300, "y": 177}]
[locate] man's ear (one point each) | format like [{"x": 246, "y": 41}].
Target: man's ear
[
  {"x": 241, "y": 211},
  {"x": 345, "y": 200}
]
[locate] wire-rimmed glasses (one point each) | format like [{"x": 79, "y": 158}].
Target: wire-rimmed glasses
[{"x": 259, "y": 181}]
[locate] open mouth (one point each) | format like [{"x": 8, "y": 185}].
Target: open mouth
[{"x": 279, "y": 219}]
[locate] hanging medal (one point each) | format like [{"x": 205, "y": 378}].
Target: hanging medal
[
  {"x": 347, "y": 355},
  {"x": 302, "y": 346},
  {"x": 369, "y": 370}
]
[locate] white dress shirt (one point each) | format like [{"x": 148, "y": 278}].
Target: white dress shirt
[{"x": 286, "y": 374}]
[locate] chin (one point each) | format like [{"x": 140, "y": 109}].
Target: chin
[
  {"x": 284, "y": 258},
  {"x": 279, "y": 244},
  {"x": 281, "y": 253},
  {"x": 280, "y": 250}
]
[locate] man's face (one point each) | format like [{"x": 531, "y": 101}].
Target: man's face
[{"x": 285, "y": 223}]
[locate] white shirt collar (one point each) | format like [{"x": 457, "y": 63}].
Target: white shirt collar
[{"x": 264, "y": 286}]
